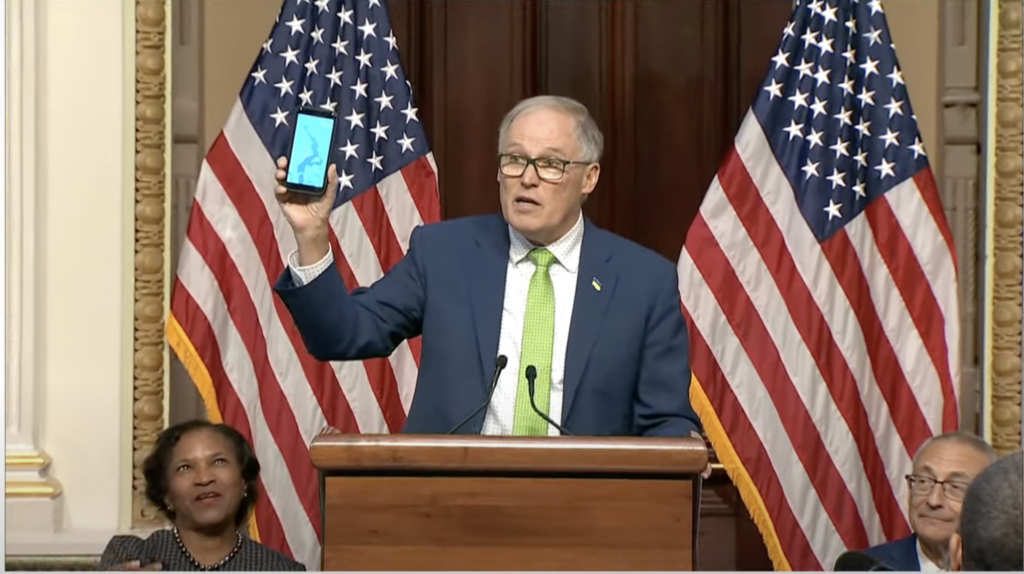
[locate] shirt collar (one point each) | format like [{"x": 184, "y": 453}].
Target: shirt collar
[
  {"x": 566, "y": 250},
  {"x": 926, "y": 563}
]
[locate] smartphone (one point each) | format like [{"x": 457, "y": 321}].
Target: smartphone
[{"x": 310, "y": 151}]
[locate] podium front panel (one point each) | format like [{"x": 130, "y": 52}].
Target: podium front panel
[{"x": 506, "y": 523}]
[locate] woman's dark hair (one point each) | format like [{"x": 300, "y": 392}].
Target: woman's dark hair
[{"x": 157, "y": 472}]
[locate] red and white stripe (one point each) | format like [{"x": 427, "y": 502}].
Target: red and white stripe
[
  {"x": 826, "y": 364},
  {"x": 265, "y": 382}
]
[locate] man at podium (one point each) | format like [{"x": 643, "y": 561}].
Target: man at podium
[{"x": 534, "y": 321}]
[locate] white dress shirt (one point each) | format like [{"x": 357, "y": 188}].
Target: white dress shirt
[{"x": 501, "y": 411}]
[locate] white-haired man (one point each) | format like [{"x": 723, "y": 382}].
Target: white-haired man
[
  {"x": 588, "y": 318},
  {"x": 943, "y": 469}
]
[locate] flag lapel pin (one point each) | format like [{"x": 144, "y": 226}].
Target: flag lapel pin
[{"x": 596, "y": 284}]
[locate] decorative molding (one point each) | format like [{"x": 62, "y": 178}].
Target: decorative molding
[
  {"x": 18, "y": 461},
  {"x": 20, "y": 224},
  {"x": 32, "y": 489},
  {"x": 185, "y": 71},
  {"x": 51, "y": 563},
  {"x": 187, "y": 153},
  {"x": 152, "y": 161},
  {"x": 26, "y": 476},
  {"x": 961, "y": 160},
  {"x": 26, "y": 465},
  {"x": 1007, "y": 162}
]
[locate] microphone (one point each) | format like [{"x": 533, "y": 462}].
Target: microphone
[
  {"x": 531, "y": 380},
  {"x": 853, "y": 561},
  {"x": 499, "y": 366}
]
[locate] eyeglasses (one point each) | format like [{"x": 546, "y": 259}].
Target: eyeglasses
[
  {"x": 923, "y": 485},
  {"x": 549, "y": 169}
]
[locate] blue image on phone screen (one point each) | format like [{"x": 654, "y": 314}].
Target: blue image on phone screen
[{"x": 311, "y": 150}]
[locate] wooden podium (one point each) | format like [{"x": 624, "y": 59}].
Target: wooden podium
[{"x": 426, "y": 502}]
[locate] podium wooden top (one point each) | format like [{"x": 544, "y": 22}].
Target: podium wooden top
[{"x": 339, "y": 453}]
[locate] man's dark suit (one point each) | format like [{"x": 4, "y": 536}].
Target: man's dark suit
[
  {"x": 900, "y": 555},
  {"x": 627, "y": 363}
]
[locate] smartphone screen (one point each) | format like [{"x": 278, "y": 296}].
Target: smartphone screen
[{"x": 310, "y": 152}]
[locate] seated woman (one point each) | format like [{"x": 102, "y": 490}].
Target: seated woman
[{"x": 202, "y": 476}]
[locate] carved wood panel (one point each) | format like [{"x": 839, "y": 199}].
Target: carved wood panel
[
  {"x": 1007, "y": 160},
  {"x": 151, "y": 165}
]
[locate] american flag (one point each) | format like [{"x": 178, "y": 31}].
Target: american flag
[
  {"x": 230, "y": 330},
  {"x": 819, "y": 281}
]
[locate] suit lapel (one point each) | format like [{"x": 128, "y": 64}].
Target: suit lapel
[
  {"x": 595, "y": 285},
  {"x": 487, "y": 290},
  {"x": 910, "y": 559}
]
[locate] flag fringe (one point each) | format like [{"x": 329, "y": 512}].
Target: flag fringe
[
  {"x": 200, "y": 375},
  {"x": 738, "y": 474}
]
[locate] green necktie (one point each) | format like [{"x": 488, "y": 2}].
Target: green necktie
[{"x": 538, "y": 340}]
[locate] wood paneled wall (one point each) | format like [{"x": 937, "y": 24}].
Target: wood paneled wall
[{"x": 668, "y": 83}]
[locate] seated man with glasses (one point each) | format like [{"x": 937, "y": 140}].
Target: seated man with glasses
[
  {"x": 567, "y": 319},
  {"x": 943, "y": 469}
]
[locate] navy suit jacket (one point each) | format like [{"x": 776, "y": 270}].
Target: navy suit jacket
[
  {"x": 900, "y": 555},
  {"x": 627, "y": 363}
]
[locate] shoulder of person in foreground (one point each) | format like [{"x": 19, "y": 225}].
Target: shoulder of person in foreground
[
  {"x": 899, "y": 553},
  {"x": 274, "y": 560},
  {"x": 123, "y": 552}
]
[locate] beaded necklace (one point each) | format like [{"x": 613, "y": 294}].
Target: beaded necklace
[{"x": 225, "y": 560}]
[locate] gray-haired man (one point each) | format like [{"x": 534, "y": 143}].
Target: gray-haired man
[
  {"x": 943, "y": 468},
  {"x": 589, "y": 323}
]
